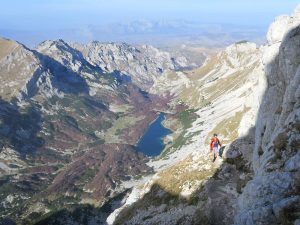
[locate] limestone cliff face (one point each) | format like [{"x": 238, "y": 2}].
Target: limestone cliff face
[{"x": 273, "y": 196}]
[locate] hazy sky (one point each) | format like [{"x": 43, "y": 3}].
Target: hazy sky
[{"x": 21, "y": 18}]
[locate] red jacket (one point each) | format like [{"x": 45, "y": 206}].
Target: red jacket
[{"x": 214, "y": 141}]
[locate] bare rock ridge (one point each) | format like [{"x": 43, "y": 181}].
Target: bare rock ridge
[
  {"x": 142, "y": 63},
  {"x": 138, "y": 64}
]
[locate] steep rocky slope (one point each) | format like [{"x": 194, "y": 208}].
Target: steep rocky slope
[
  {"x": 254, "y": 105},
  {"x": 273, "y": 196},
  {"x": 224, "y": 94}
]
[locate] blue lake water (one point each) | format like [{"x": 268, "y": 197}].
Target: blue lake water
[{"x": 151, "y": 143}]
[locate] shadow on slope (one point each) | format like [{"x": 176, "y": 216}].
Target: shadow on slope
[
  {"x": 67, "y": 80},
  {"x": 82, "y": 214},
  {"x": 19, "y": 127},
  {"x": 63, "y": 78}
]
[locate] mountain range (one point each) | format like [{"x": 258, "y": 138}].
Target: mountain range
[{"x": 71, "y": 115}]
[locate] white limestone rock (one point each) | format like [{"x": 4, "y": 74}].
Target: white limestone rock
[
  {"x": 278, "y": 29},
  {"x": 276, "y": 155}
]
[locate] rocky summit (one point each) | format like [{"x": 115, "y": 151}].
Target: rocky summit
[{"x": 71, "y": 116}]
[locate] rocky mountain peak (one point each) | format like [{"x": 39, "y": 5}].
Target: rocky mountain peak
[
  {"x": 54, "y": 46},
  {"x": 239, "y": 54},
  {"x": 6, "y": 46},
  {"x": 282, "y": 25},
  {"x": 17, "y": 64},
  {"x": 62, "y": 52},
  {"x": 296, "y": 14},
  {"x": 241, "y": 47}
]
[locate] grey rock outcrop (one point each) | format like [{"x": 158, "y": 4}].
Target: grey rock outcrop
[{"x": 273, "y": 196}]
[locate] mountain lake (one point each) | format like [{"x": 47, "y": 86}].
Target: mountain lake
[{"x": 151, "y": 143}]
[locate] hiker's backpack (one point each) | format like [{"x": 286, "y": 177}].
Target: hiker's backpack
[{"x": 214, "y": 142}]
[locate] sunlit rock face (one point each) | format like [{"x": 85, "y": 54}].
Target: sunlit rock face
[{"x": 141, "y": 64}]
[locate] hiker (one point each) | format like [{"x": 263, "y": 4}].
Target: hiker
[{"x": 214, "y": 146}]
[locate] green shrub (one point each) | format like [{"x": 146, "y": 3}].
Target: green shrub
[{"x": 280, "y": 141}]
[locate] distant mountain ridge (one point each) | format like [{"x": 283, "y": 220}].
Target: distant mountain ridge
[
  {"x": 142, "y": 64},
  {"x": 68, "y": 127}
]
